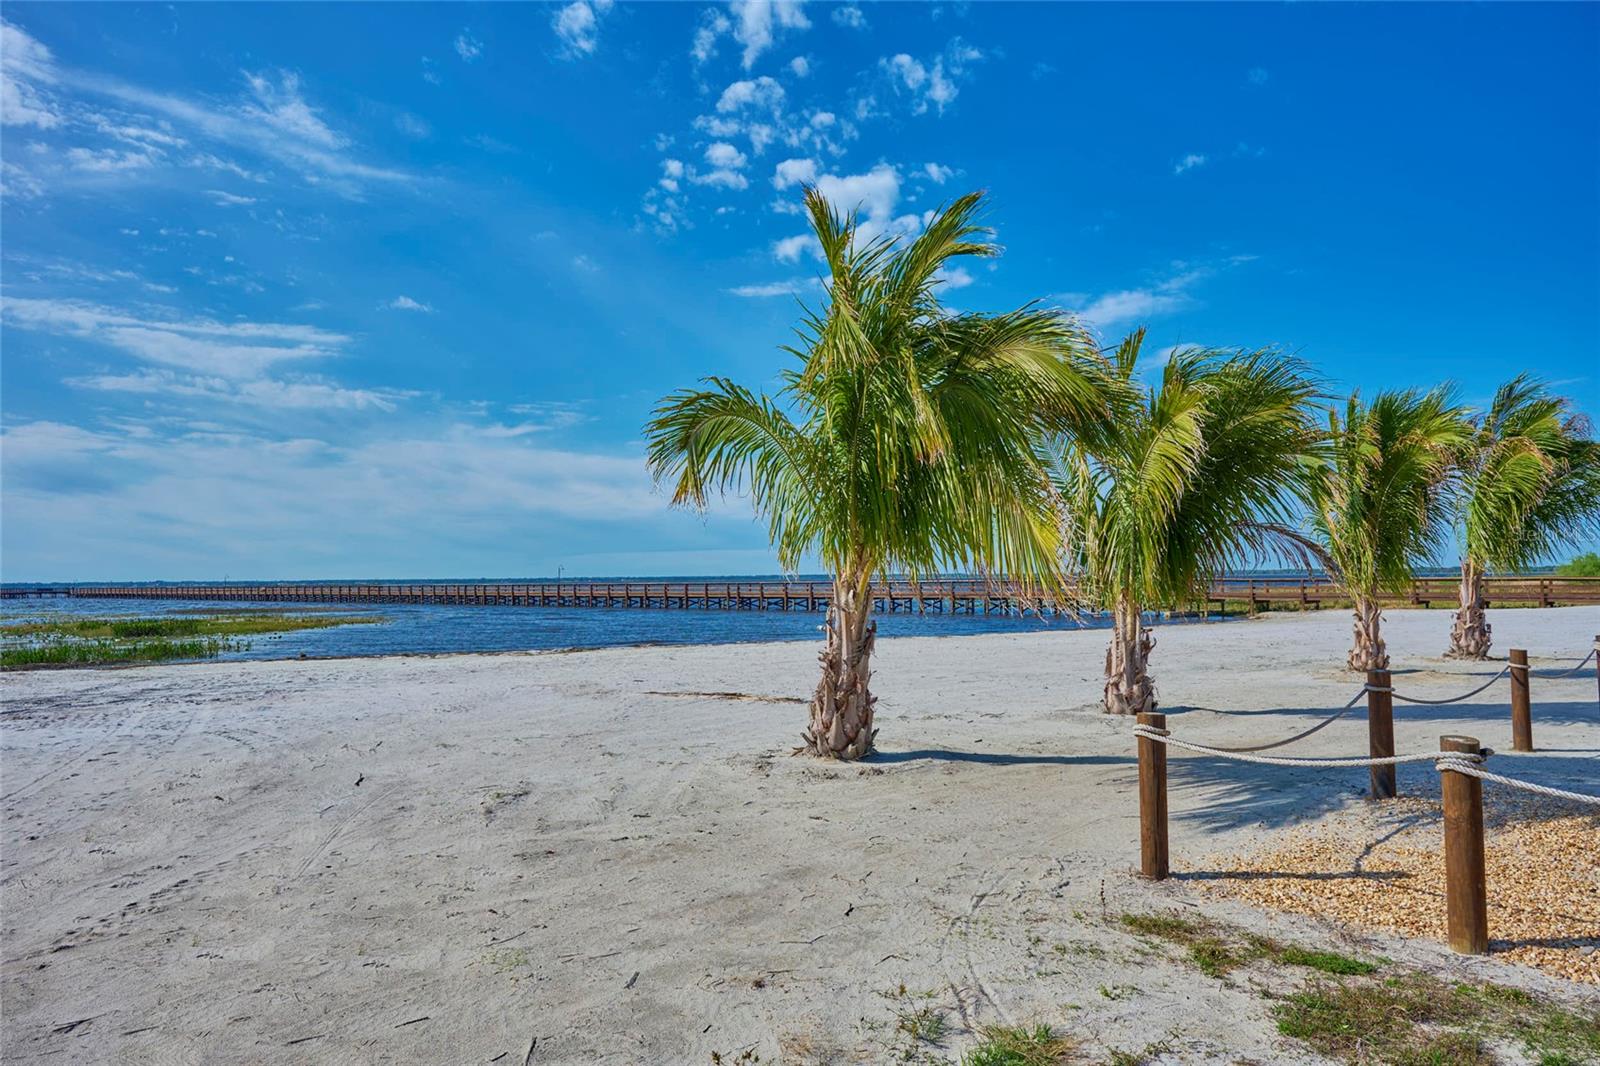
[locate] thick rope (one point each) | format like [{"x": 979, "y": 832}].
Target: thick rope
[
  {"x": 1458, "y": 765},
  {"x": 1162, "y": 737},
  {"x": 1455, "y": 699},
  {"x": 1455, "y": 761},
  {"x": 1564, "y": 673},
  {"x": 1340, "y": 713}
]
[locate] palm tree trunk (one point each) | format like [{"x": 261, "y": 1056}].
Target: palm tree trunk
[
  {"x": 1368, "y": 652},
  {"x": 841, "y": 708},
  {"x": 1469, "y": 637},
  {"x": 1129, "y": 689}
]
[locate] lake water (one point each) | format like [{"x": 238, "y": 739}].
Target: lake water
[{"x": 432, "y": 629}]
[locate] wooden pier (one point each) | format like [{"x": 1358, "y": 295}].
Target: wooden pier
[{"x": 946, "y": 596}]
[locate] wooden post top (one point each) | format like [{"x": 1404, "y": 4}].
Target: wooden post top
[{"x": 1457, "y": 742}]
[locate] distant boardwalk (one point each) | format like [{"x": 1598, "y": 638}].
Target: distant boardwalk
[{"x": 947, "y": 596}]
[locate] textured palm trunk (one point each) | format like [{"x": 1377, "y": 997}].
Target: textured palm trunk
[
  {"x": 1469, "y": 637},
  {"x": 841, "y": 708},
  {"x": 1368, "y": 652},
  {"x": 1129, "y": 689}
]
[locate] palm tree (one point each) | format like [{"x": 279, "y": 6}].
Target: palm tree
[
  {"x": 1201, "y": 474},
  {"x": 1528, "y": 484},
  {"x": 902, "y": 442},
  {"x": 1380, "y": 500}
]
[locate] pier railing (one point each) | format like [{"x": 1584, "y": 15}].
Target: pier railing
[{"x": 956, "y": 596}]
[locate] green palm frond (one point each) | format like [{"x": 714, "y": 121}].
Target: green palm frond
[
  {"x": 903, "y": 439},
  {"x": 1195, "y": 475},
  {"x": 1529, "y": 481},
  {"x": 1381, "y": 494}
]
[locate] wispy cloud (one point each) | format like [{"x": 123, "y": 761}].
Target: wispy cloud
[
  {"x": 152, "y": 131},
  {"x": 406, "y": 303},
  {"x": 577, "y": 26},
  {"x": 1172, "y": 293},
  {"x": 1189, "y": 162},
  {"x": 174, "y": 501},
  {"x": 227, "y": 349},
  {"x": 468, "y": 47},
  {"x": 768, "y": 289},
  {"x": 932, "y": 83},
  {"x": 850, "y": 16}
]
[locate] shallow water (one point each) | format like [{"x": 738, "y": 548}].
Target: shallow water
[{"x": 422, "y": 629}]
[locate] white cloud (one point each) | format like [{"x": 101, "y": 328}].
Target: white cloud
[
  {"x": 955, "y": 277},
  {"x": 108, "y": 160},
  {"x": 468, "y": 47},
  {"x": 713, "y": 24},
  {"x": 412, "y": 126},
  {"x": 722, "y": 154},
  {"x": 770, "y": 289},
  {"x": 236, "y": 350},
  {"x": 928, "y": 84},
  {"x": 259, "y": 392},
  {"x": 156, "y": 500},
  {"x": 757, "y": 21},
  {"x": 723, "y": 178},
  {"x": 406, "y": 303},
  {"x": 228, "y": 199},
  {"x": 280, "y": 106},
  {"x": 794, "y": 172},
  {"x": 789, "y": 249},
  {"x": 1168, "y": 295},
  {"x": 26, "y": 69},
  {"x": 762, "y": 94},
  {"x": 1189, "y": 162},
  {"x": 801, "y": 66},
  {"x": 850, "y": 16},
  {"x": 872, "y": 197},
  {"x": 275, "y": 120},
  {"x": 578, "y": 26},
  {"x": 938, "y": 174}
]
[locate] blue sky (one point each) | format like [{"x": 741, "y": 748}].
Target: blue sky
[{"x": 370, "y": 290}]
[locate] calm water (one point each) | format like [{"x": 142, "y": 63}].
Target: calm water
[{"x": 424, "y": 629}]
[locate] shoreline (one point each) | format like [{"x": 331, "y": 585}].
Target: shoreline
[{"x": 615, "y": 856}]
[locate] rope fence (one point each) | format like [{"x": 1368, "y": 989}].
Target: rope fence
[{"x": 1459, "y": 761}]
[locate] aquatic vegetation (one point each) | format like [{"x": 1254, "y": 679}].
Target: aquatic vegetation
[{"x": 69, "y": 641}]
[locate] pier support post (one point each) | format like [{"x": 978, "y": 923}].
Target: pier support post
[
  {"x": 1466, "y": 896},
  {"x": 1153, "y": 800},
  {"x": 1521, "y": 711},
  {"x": 1380, "y": 731}
]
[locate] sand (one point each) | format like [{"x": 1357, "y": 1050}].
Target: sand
[{"x": 610, "y": 856}]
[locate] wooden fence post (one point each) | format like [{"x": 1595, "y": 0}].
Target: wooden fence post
[
  {"x": 1380, "y": 731},
  {"x": 1466, "y": 897},
  {"x": 1153, "y": 800},
  {"x": 1521, "y": 714}
]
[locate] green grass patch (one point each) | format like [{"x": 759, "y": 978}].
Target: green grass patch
[
  {"x": 122, "y": 639},
  {"x": 1005, "y": 1045},
  {"x": 1216, "y": 950},
  {"x": 92, "y": 652},
  {"x": 1325, "y": 961},
  {"x": 1417, "y": 1020}
]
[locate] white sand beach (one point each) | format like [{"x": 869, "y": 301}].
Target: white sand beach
[{"x": 610, "y": 856}]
